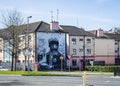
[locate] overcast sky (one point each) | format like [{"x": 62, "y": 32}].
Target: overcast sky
[{"x": 89, "y": 14}]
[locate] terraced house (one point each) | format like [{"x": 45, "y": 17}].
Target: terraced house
[
  {"x": 107, "y": 45},
  {"x": 53, "y": 44}
]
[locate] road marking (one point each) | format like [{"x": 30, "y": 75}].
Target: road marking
[
  {"x": 107, "y": 81},
  {"x": 115, "y": 77},
  {"x": 5, "y": 81}
]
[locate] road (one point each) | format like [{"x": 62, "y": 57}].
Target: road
[{"x": 92, "y": 80}]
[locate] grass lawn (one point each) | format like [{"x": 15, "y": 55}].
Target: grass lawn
[
  {"x": 12, "y": 72},
  {"x": 50, "y": 73},
  {"x": 33, "y": 73}
]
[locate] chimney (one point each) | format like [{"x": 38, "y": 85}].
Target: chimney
[
  {"x": 100, "y": 33},
  {"x": 54, "y": 26}
]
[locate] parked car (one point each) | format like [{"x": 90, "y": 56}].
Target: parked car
[{"x": 3, "y": 68}]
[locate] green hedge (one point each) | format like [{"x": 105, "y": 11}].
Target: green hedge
[{"x": 102, "y": 68}]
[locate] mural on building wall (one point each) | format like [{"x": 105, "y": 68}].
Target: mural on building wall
[{"x": 50, "y": 50}]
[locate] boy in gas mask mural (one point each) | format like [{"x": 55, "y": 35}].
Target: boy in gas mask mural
[{"x": 53, "y": 56}]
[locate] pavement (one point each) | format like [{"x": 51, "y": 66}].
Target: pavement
[{"x": 79, "y": 73}]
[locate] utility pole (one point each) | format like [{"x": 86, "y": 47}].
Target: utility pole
[
  {"x": 93, "y": 48},
  {"x": 84, "y": 52},
  {"x": 118, "y": 50}
]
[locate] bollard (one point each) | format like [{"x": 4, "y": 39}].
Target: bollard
[{"x": 84, "y": 78}]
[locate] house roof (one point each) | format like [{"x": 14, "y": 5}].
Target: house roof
[
  {"x": 107, "y": 35},
  {"x": 94, "y": 32},
  {"x": 113, "y": 36},
  {"x": 22, "y": 28},
  {"x": 75, "y": 31},
  {"x": 31, "y": 27},
  {"x": 45, "y": 27},
  {"x": 72, "y": 30}
]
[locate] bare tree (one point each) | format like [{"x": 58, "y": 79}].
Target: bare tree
[{"x": 11, "y": 34}]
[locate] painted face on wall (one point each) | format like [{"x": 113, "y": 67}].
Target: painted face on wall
[
  {"x": 54, "y": 45},
  {"x": 50, "y": 46}
]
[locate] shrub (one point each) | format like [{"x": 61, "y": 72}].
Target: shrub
[{"x": 102, "y": 68}]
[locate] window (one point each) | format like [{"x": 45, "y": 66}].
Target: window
[
  {"x": 18, "y": 61},
  {"x": 74, "y": 51},
  {"x": 116, "y": 51},
  {"x": 0, "y": 50},
  {"x": 73, "y": 40},
  {"x": 80, "y": 39},
  {"x": 88, "y": 40},
  {"x": 88, "y": 51},
  {"x": 19, "y": 39},
  {"x": 0, "y": 40},
  {"x": 116, "y": 43},
  {"x": 31, "y": 61},
  {"x": 29, "y": 37},
  {"x": 74, "y": 62},
  {"x": 23, "y": 61},
  {"x": 80, "y": 50},
  {"x": 23, "y": 37}
]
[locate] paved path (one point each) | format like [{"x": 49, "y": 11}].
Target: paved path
[{"x": 80, "y": 73}]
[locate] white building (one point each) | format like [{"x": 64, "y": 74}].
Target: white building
[
  {"x": 107, "y": 46},
  {"x": 72, "y": 43},
  {"x": 105, "y": 50},
  {"x": 81, "y": 44},
  {"x": 76, "y": 43}
]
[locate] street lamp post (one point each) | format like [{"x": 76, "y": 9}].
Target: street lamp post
[
  {"x": 29, "y": 51},
  {"x": 25, "y": 54}
]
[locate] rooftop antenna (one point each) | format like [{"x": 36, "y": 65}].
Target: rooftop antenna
[
  {"x": 51, "y": 16},
  {"x": 57, "y": 14}
]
